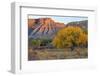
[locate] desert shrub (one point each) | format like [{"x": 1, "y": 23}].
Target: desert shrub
[
  {"x": 36, "y": 42},
  {"x": 40, "y": 42},
  {"x": 45, "y": 41}
]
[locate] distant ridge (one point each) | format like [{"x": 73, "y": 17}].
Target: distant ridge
[{"x": 82, "y": 24}]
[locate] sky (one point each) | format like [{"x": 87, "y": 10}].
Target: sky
[{"x": 62, "y": 19}]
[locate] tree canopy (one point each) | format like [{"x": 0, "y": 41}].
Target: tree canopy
[{"x": 71, "y": 36}]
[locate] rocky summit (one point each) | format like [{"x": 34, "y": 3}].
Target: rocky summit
[{"x": 43, "y": 28}]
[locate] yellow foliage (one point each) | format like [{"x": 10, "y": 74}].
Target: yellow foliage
[{"x": 69, "y": 37}]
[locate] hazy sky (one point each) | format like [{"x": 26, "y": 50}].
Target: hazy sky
[{"x": 64, "y": 20}]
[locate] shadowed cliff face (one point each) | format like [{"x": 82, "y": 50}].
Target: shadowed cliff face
[{"x": 43, "y": 28}]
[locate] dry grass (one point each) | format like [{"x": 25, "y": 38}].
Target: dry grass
[{"x": 50, "y": 54}]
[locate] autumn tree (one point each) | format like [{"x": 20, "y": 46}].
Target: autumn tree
[{"x": 71, "y": 36}]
